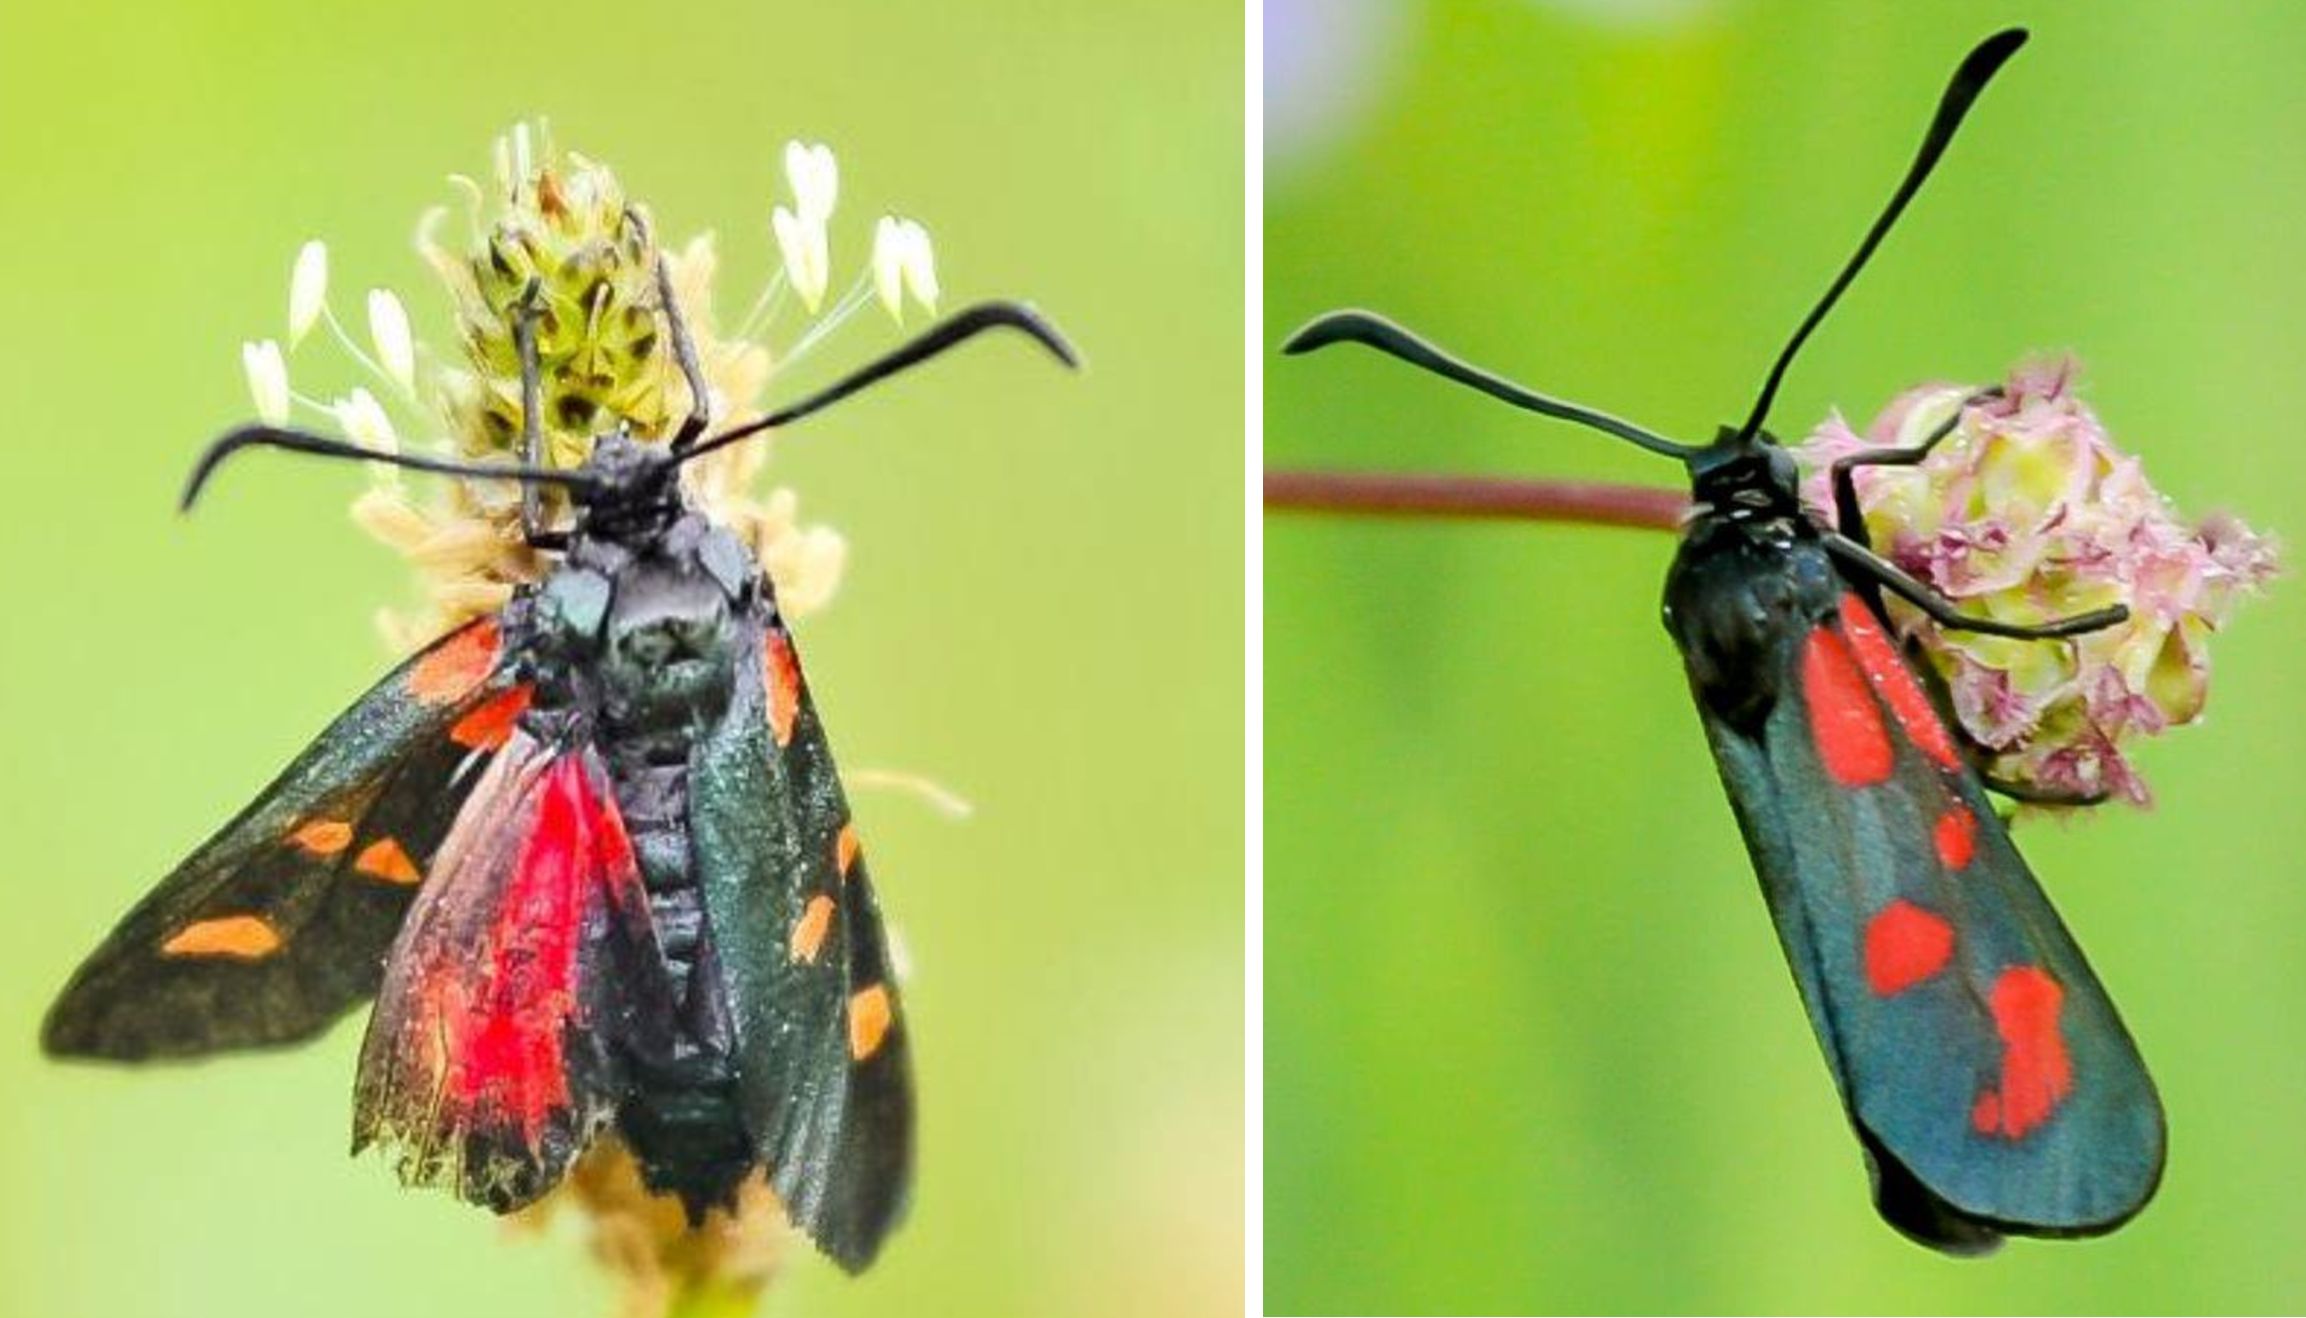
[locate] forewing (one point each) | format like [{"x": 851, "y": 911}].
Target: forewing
[
  {"x": 1982, "y": 1062},
  {"x": 493, "y": 1055},
  {"x": 278, "y": 924},
  {"x": 821, "y": 1041}
]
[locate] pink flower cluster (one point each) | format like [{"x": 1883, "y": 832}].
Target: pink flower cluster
[{"x": 2027, "y": 512}]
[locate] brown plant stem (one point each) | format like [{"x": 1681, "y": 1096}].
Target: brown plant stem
[{"x": 1418, "y": 494}]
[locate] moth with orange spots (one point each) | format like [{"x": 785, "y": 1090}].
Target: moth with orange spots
[
  {"x": 590, "y": 855},
  {"x": 1991, "y": 1084}
]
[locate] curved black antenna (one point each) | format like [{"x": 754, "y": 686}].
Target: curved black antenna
[
  {"x": 1977, "y": 68},
  {"x": 304, "y": 441},
  {"x": 947, "y": 333},
  {"x": 1373, "y": 330}
]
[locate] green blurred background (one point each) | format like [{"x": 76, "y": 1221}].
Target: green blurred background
[
  {"x": 1042, "y": 609},
  {"x": 1530, "y": 1042}
]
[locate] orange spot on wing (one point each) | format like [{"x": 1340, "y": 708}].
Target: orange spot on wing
[
  {"x": 450, "y": 670},
  {"x": 384, "y": 859},
  {"x": 490, "y": 724},
  {"x": 246, "y": 937},
  {"x": 1890, "y": 675},
  {"x": 809, "y": 931},
  {"x": 2036, "y": 1072},
  {"x": 845, "y": 848},
  {"x": 781, "y": 673},
  {"x": 870, "y": 1014},
  {"x": 323, "y": 837},
  {"x": 1844, "y": 720},
  {"x": 1904, "y": 946},
  {"x": 1956, "y": 836}
]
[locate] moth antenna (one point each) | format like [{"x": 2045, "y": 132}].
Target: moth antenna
[
  {"x": 1976, "y": 70},
  {"x": 1375, "y": 331},
  {"x": 304, "y": 441},
  {"x": 948, "y": 333}
]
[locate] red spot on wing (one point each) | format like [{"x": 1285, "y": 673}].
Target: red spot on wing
[
  {"x": 490, "y": 724},
  {"x": 1904, "y": 946},
  {"x": 1890, "y": 675},
  {"x": 781, "y": 673},
  {"x": 1844, "y": 720},
  {"x": 502, "y": 1016},
  {"x": 2036, "y": 1072},
  {"x": 1956, "y": 836},
  {"x": 450, "y": 670}
]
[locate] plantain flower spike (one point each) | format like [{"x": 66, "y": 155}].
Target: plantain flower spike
[{"x": 557, "y": 234}]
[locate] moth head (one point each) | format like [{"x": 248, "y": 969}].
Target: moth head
[{"x": 1752, "y": 472}]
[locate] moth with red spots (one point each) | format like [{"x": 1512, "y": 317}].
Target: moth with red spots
[
  {"x": 591, "y": 856},
  {"x": 1991, "y": 1084}
]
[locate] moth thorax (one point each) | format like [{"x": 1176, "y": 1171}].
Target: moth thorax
[
  {"x": 1738, "y": 589},
  {"x": 669, "y": 654}
]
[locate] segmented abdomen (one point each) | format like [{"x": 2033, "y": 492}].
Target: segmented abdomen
[{"x": 681, "y": 1119}]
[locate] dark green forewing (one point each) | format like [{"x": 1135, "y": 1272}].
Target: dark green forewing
[
  {"x": 279, "y": 923},
  {"x": 820, "y": 1036},
  {"x": 1988, "y": 1075}
]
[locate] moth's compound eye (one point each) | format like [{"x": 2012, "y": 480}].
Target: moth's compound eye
[{"x": 1784, "y": 472}]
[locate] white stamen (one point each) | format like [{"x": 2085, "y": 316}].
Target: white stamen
[
  {"x": 919, "y": 263},
  {"x": 307, "y": 289},
  {"x": 267, "y": 380},
  {"x": 350, "y": 345},
  {"x": 395, "y": 345},
  {"x": 938, "y": 797},
  {"x": 815, "y": 179},
  {"x": 858, "y": 294},
  {"x": 889, "y": 266},
  {"x": 364, "y": 422},
  {"x": 765, "y": 308},
  {"x": 808, "y": 256}
]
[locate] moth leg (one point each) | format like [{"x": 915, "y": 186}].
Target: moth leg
[
  {"x": 524, "y": 317},
  {"x": 1980, "y": 757},
  {"x": 700, "y": 417},
  {"x": 1849, "y": 519},
  {"x": 1873, "y": 567}
]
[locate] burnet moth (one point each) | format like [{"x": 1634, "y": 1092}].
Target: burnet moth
[
  {"x": 1990, "y": 1082},
  {"x": 590, "y": 855}
]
